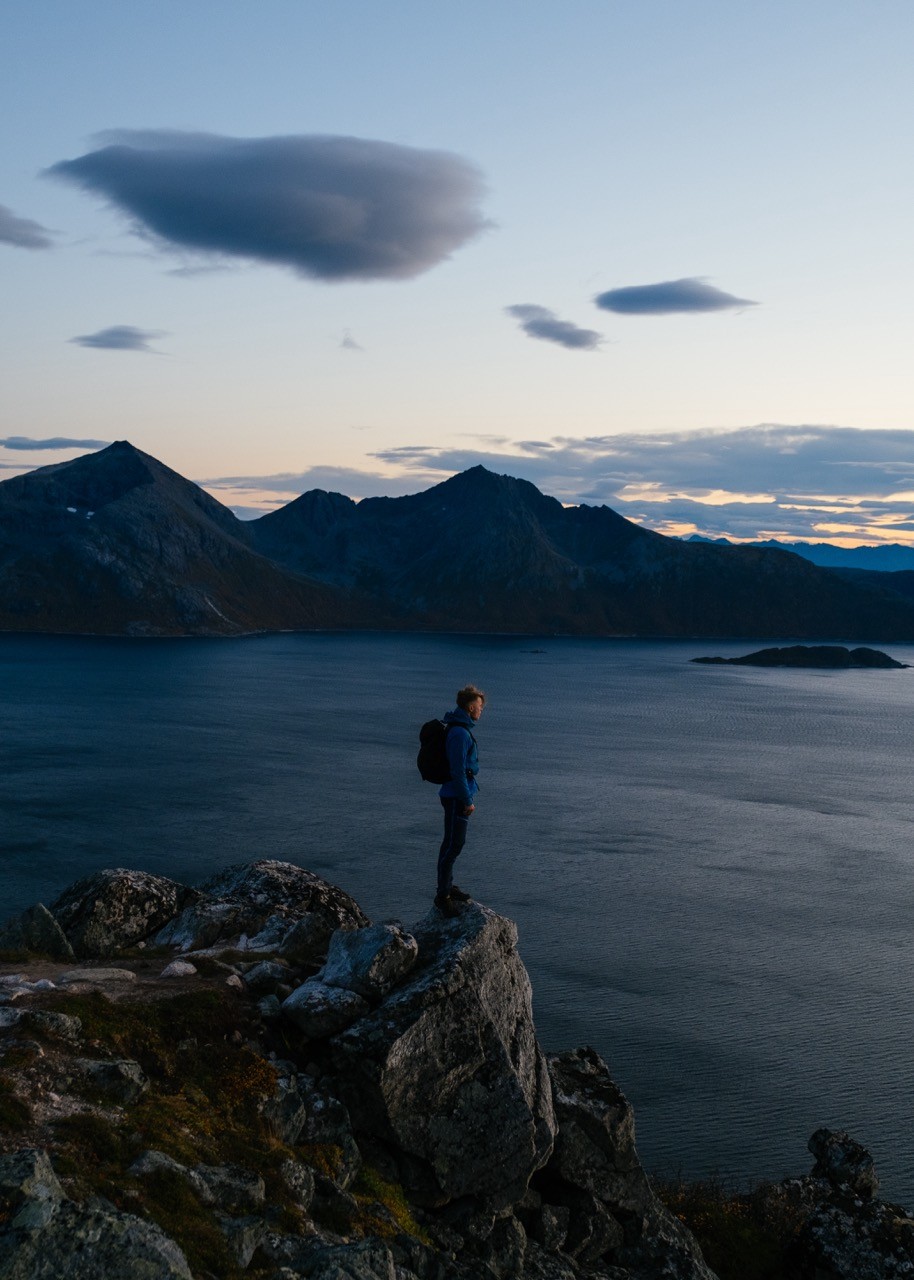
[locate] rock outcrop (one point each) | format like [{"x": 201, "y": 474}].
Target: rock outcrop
[{"x": 389, "y": 1114}]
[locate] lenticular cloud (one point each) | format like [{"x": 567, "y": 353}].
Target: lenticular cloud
[{"x": 333, "y": 208}]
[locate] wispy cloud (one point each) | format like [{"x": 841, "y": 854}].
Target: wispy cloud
[
  {"x": 670, "y": 297},
  {"x": 52, "y": 442},
  {"x": 540, "y": 322},
  {"x": 333, "y": 208},
  {"x": 23, "y": 233},
  {"x": 119, "y": 337},
  {"x": 811, "y": 482}
]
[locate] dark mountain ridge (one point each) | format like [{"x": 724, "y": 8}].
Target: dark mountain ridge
[{"x": 117, "y": 543}]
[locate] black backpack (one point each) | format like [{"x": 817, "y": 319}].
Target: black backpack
[{"x": 432, "y": 758}]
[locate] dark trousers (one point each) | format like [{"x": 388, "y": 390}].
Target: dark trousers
[{"x": 455, "y": 834}]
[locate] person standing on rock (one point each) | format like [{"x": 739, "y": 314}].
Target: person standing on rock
[{"x": 458, "y": 796}]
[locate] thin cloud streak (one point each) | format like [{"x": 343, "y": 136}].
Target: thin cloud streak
[
  {"x": 540, "y": 322},
  {"x": 330, "y": 208},
  {"x": 53, "y": 442},
  {"x": 670, "y": 297},
  {"x": 119, "y": 337},
  {"x": 23, "y": 233}
]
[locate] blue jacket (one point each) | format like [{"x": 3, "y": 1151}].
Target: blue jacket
[{"x": 462, "y": 757}]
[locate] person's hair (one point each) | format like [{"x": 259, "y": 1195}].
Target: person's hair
[{"x": 468, "y": 695}]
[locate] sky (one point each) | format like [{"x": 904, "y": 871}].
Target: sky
[{"x": 654, "y": 253}]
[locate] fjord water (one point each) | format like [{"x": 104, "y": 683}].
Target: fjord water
[{"x": 712, "y": 868}]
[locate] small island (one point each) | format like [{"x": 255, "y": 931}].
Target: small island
[{"x": 830, "y": 656}]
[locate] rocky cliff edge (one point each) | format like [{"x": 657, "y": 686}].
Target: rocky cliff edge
[{"x": 251, "y": 1079}]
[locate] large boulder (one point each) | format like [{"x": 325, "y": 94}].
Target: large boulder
[
  {"x": 110, "y": 910},
  {"x": 448, "y": 1068},
  {"x": 596, "y": 1174},
  {"x": 319, "y": 1011},
  {"x": 369, "y": 961},
  {"x": 265, "y": 906},
  {"x": 36, "y": 930},
  {"x": 44, "y": 1236}
]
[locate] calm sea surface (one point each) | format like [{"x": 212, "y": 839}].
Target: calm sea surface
[{"x": 712, "y": 869}]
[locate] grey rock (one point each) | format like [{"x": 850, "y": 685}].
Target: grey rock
[
  {"x": 153, "y": 1162},
  {"x": 366, "y": 1260},
  {"x": 201, "y": 925},
  {"x": 319, "y": 1011},
  {"x": 233, "y": 1189},
  {"x": 595, "y": 1155},
  {"x": 179, "y": 969},
  {"x": 264, "y": 977},
  {"x": 257, "y": 906},
  {"x": 298, "y": 1179},
  {"x": 55, "y": 1026},
  {"x": 269, "y": 1008},
  {"x": 328, "y": 1124},
  {"x": 29, "y": 1189},
  {"x": 243, "y": 1236},
  {"x": 44, "y": 1236},
  {"x": 36, "y": 930},
  {"x": 843, "y": 1162},
  {"x": 122, "y": 1081},
  {"x": 369, "y": 961},
  {"x": 844, "y": 1242},
  {"x": 448, "y": 1068},
  {"x": 105, "y": 912},
  {"x": 285, "y": 1111},
  {"x": 305, "y": 943},
  {"x": 10, "y": 1018},
  {"x": 96, "y": 977}
]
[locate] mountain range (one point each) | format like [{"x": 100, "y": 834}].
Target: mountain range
[
  {"x": 891, "y": 558},
  {"x": 116, "y": 543}
]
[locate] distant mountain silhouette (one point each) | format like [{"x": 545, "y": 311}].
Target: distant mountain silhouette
[
  {"x": 116, "y": 543},
  {"x": 891, "y": 558}
]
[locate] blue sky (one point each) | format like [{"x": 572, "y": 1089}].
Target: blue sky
[{"x": 651, "y": 254}]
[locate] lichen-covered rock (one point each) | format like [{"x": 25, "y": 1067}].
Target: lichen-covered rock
[
  {"x": 847, "y": 1241},
  {"x": 264, "y": 978},
  {"x": 105, "y": 912},
  {"x": 53, "y": 1025},
  {"x": 29, "y": 1189},
  {"x": 179, "y": 969},
  {"x": 154, "y": 1162},
  {"x": 36, "y": 930},
  {"x": 121, "y": 1081},
  {"x": 44, "y": 1236},
  {"x": 448, "y": 1068},
  {"x": 369, "y": 961},
  {"x": 328, "y": 1125},
  {"x": 843, "y": 1162},
  {"x": 298, "y": 1180},
  {"x": 365, "y": 1260},
  {"x": 232, "y": 1188},
  {"x": 624, "y": 1223},
  {"x": 264, "y": 906},
  {"x": 319, "y": 1011}
]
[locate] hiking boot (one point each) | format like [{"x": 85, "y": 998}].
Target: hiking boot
[
  {"x": 458, "y": 895},
  {"x": 446, "y": 905}
]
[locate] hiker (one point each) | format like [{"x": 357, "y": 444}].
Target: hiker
[{"x": 459, "y": 794}]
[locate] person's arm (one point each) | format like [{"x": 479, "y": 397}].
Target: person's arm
[{"x": 458, "y": 745}]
